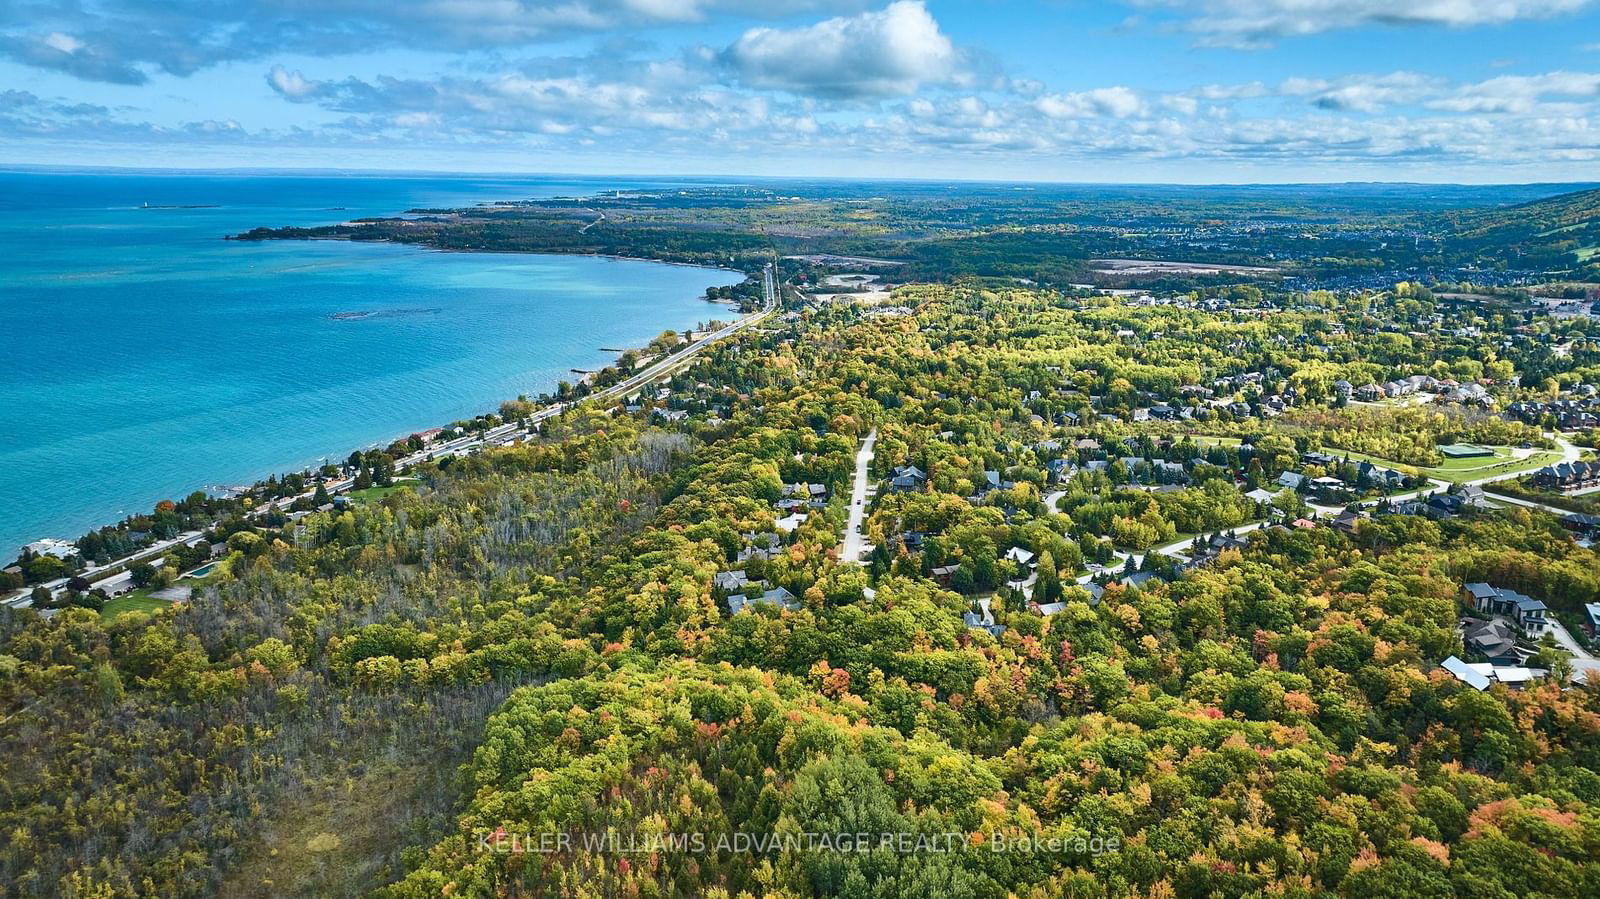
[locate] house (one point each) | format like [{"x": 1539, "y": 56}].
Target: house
[
  {"x": 1049, "y": 608},
  {"x": 789, "y": 523},
  {"x": 1346, "y": 521},
  {"x": 1343, "y": 388},
  {"x": 1568, "y": 476},
  {"x": 1495, "y": 640},
  {"x": 1292, "y": 480},
  {"x": 1139, "y": 580},
  {"x": 1369, "y": 393},
  {"x": 983, "y": 619},
  {"x": 907, "y": 478},
  {"x": 1528, "y": 613},
  {"x": 731, "y": 581},
  {"x": 1449, "y": 505},
  {"x": 760, "y": 546},
  {"x": 1591, "y": 617},
  {"x": 777, "y": 598},
  {"x": 60, "y": 549},
  {"x": 944, "y": 574},
  {"x": 1467, "y": 674},
  {"x": 1261, "y": 495},
  {"x": 1094, "y": 590},
  {"x": 1481, "y": 675},
  {"x": 1220, "y": 542},
  {"x": 1581, "y": 523},
  {"x": 1020, "y": 556},
  {"x": 976, "y": 622},
  {"x": 1383, "y": 478}
]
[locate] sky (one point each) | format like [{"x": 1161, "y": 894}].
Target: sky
[{"x": 1181, "y": 91}]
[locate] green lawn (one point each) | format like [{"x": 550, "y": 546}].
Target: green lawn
[
  {"x": 375, "y": 494},
  {"x": 1457, "y": 470},
  {"x": 137, "y": 601}
]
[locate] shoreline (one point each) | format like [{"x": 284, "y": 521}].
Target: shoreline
[{"x": 313, "y": 465}]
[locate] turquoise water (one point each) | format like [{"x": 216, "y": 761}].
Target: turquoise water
[{"x": 145, "y": 358}]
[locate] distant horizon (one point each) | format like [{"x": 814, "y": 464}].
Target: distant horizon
[{"x": 331, "y": 171}]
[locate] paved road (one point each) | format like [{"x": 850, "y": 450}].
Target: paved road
[
  {"x": 1582, "y": 659},
  {"x": 97, "y": 573},
  {"x": 855, "y": 542}
]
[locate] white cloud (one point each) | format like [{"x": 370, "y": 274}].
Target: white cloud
[
  {"x": 891, "y": 52},
  {"x": 1364, "y": 93},
  {"x": 66, "y": 43},
  {"x": 1260, "y": 22},
  {"x": 1520, "y": 93},
  {"x": 1117, "y": 102},
  {"x": 291, "y": 85},
  {"x": 124, "y": 41}
]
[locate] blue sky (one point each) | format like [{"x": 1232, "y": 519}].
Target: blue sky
[{"x": 1149, "y": 90}]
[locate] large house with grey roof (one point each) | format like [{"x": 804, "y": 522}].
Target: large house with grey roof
[{"x": 1528, "y": 613}]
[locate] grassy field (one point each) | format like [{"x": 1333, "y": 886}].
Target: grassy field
[
  {"x": 1457, "y": 470},
  {"x": 137, "y": 601},
  {"x": 375, "y": 494}
]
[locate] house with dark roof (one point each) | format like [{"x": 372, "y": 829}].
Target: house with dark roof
[
  {"x": 1346, "y": 521},
  {"x": 1141, "y": 579},
  {"x": 1568, "y": 476},
  {"x": 1495, "y": 640},
  {"x": 1528, "y": 613},
  {"x": 907, "y": 479},
  {"x": 983, "y": 619}
]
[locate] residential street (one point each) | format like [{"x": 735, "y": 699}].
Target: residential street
[{"x": 855, "y": 542}]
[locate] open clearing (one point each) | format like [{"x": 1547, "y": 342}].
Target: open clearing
[{"x": 1505, "y": 461}]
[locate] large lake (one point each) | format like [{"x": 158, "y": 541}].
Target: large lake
[{"x": 143, "y": 357}]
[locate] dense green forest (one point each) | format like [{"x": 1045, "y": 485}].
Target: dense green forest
[
  {"x": 1359, "y": 235},
  {"x": 419, "y": 695}
]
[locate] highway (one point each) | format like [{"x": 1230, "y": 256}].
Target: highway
[{"x": 500, "y": 435}]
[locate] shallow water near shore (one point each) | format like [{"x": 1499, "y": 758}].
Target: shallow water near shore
[{"x": 145, "y": 357}]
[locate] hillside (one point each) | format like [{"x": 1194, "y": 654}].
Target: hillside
[{"x": 1558, "y": 234}]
